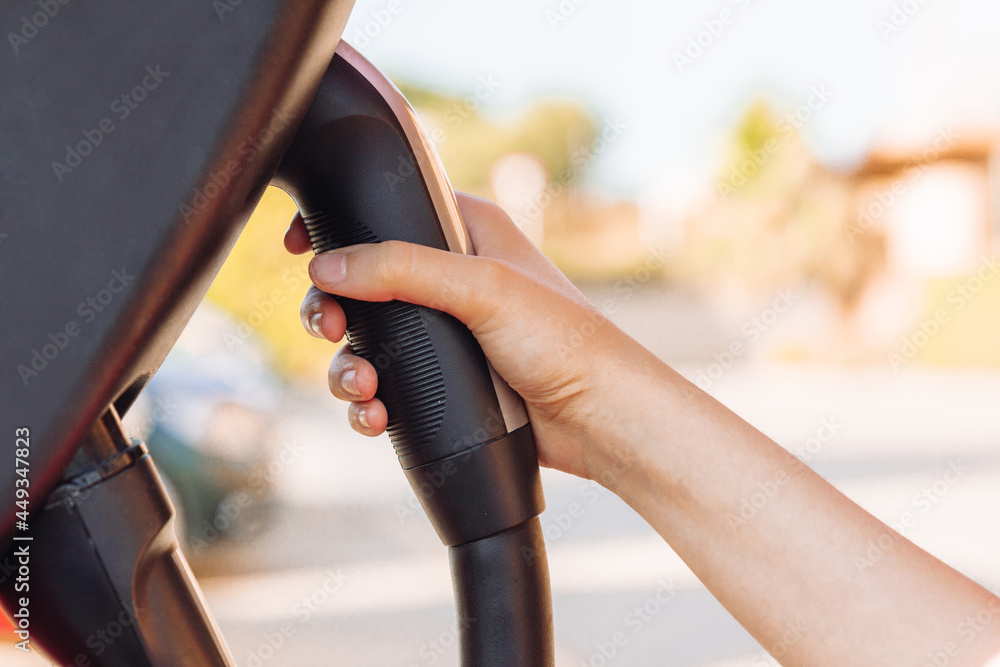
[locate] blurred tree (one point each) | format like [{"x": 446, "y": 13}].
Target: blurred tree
[
  {"x": 469, "y": 142},
  {"x": 780, "y": 219}
]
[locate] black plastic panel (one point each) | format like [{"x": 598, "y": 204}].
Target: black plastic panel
[{"x": 135, "y": 139}]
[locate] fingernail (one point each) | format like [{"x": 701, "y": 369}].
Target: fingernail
[
  {"x": 363, "y": 417},
  {"x": 329, "y": 268},
  {"x": 316, "y": 325},
  {"x": 348, "y": 382}
]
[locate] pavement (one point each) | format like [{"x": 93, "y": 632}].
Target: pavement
[
  {"x": 342, "y": 569},
  {"x": 348, "y": 517}
]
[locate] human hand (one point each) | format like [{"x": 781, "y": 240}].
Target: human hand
[{"x": 541, "y": 334}]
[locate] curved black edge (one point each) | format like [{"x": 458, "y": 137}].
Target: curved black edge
[
  {"x": 108, "y": 583},
  {"x": 118, "y": 210},
  {"x": 483, "y": 490},
  {"x": 503, "y": 598}
]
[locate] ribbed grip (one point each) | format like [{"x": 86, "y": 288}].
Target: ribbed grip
[
  {"x": 392, "y": 337},
  {"x": 356, "y": 179},
  {"x": 328, "y": 231}
]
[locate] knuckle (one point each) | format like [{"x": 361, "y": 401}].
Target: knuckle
[
  {"x": 395, "y": 263},
  {"x": 312, "y": 302},
  {"x": 352, "y": 419},
  {"x": 343, "y": 353},
  {"x": 496, "y": 272},
  {"x": 496, "y": 283},
  {"x": 341, "y": 361},
  {"x": 310, "y": 299}
]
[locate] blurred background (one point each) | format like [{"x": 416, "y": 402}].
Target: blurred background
[{"x": 794, "y": 204}]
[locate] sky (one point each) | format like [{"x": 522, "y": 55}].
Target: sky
[{"x": 678, "y": 75}]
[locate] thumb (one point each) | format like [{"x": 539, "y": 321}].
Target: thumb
[{"x": 470, "y": 288}]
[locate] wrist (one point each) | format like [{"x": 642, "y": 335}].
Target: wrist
[{"x": 627, "y": 429}]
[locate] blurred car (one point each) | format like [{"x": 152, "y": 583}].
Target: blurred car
[{"x": 206, "y": 417}]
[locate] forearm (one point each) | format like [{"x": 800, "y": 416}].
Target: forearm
[{"x": 785, "y": 552}]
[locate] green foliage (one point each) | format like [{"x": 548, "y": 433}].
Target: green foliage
[
  {"x": 261, "y": 286},
  {"x": 757, "y": 126},
  {"x": 469, "y": 142}
]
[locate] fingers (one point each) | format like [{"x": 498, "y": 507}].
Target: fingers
[
  {"x": 444, "y": 281},
  {"x": 494, "y": 234},
  {"x": 296, "y": 236},
  {"x": 368, "y": 418},
  {"x": 470, "y": 288},
  {"x": 322, "y": 316},
  {"x": 353, "y": 379}
]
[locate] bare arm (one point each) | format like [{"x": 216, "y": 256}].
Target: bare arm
[
  {"x": 796, "y": 573},
  {"x": 799, "y": 572}
]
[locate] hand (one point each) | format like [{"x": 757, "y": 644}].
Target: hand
[{"x": 541, "y": 334}]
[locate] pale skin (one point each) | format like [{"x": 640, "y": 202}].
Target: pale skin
[{"x": 798, "y": 574}]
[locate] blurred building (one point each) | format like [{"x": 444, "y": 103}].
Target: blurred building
[
  {"x": 936, "y": 203},
  {"x": 879, "y": 251},
  {"x": 936, "y": 206}
]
